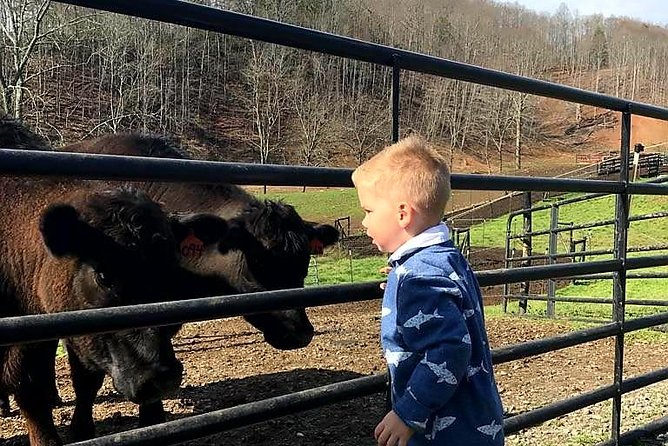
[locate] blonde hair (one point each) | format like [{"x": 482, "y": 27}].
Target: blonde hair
[{"x": 412, "y": 170}]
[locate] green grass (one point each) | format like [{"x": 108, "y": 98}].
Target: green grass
[
  {"x": 335, "y": 266},
  {"x": 492, "y": 233},
  {"x": 321, "y": 205}
]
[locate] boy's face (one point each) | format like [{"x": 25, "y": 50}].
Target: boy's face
[{"x": 381, "y": 220}]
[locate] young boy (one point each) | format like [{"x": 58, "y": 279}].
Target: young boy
[{"x": 443, "y": 390}]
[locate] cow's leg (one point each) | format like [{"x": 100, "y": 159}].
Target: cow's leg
[
  {"x": 47, "y": 375},
  {"x": 31, "y": 391},
  {"x": 38, "y": 417},
  {"x": 151, "y": 413},
  {"x": 86, "y": 384},
  {"x": 4, "y": 404},
  {"x": 50, "y": 378}
]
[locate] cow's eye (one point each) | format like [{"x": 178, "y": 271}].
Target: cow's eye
[{"x": 102, "y": 279}]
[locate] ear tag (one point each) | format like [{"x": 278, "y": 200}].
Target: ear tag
[
  {"x": 316, "y": 246},
  {"x": 192, "y": 247}
]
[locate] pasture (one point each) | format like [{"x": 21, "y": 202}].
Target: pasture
[{"x": 227, "y": 363}]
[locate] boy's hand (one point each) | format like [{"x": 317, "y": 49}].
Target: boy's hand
[
  {"x": 385, "y": 271},
  {"x": 392, "y": 431}
]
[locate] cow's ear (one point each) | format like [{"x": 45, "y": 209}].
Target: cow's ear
[
  {"x": 321, "y": 236},
  {"x": 66, "y": 235},
  {"x": 206, "y": 227}
]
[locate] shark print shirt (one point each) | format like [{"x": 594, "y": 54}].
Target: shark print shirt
[{"x": 434, "y": 340}]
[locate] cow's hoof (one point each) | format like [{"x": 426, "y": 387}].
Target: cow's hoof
[
  {"x": 150, "y": 414},
  {"x": 81, "y": 430}
]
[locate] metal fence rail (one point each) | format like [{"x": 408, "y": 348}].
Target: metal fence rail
[
  {"x": 116, "y": 167},
  {"x": 587, "y": 300},
  {"x": 198, "y": 426},
  {"x": 41, "y": 327}
]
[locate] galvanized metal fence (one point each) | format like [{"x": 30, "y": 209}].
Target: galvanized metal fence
[
  {"x": 52, "y": 326},
  {"x": 556, "y": 228}
]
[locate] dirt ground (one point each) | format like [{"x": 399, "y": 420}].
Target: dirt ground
[{"x": 226, "y": 363}]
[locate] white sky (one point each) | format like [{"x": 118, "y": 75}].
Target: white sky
[{"x": 651, "y": 11}]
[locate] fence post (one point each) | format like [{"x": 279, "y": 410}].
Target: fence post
[
  {"x": 526, "y": 248},
  {"x": 552, "y": 251},
  {"x": 396, "y": 73},
  {"x": 506, "y": 263},
  {"x": 619, "y": 277}
]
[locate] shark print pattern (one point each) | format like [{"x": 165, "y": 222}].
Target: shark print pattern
[
  {"x": 420, "y": 318},
  {"x": 394, "y": 358},
  {"x": 433, "y": 338},
  {"x": 419, "y": 424},
  {"x": 440, "y": 423},
  {"x": 491, "y": 429},
  {"x": 441, "y": 371},
  {"x": 471, "y": 371}
]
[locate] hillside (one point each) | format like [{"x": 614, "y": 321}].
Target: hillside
[{"x": 232, "y": 99}]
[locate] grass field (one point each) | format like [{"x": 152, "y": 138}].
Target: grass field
[{"x": 336, "y": 266}]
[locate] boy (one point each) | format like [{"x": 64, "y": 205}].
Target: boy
[{"x": 443, "y": 390}]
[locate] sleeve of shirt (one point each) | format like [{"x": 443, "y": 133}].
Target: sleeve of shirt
[{"x": 432, "y": 323}]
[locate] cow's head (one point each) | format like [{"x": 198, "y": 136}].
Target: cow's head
[
  {"x": 268, "y": 247},
  {"x": 111, "y": 249}
]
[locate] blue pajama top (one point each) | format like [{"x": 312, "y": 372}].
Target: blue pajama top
[{"x": 435, "y": 344}]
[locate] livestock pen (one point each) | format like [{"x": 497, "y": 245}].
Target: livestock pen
[{"x": 52, "y": 326}]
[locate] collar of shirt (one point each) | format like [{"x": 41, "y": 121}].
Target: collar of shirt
[{"x": 430, "y": 236}]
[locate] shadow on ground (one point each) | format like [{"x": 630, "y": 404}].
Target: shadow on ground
[{"x": 347, "y": 424}]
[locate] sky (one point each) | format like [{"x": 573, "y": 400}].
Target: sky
[{"x": 651, "y": 11}]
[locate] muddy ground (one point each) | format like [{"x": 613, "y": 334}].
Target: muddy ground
[{"x": 227, "y": 363}]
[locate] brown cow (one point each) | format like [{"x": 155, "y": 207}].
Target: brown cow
[
  {"x": 67, "y": 245},
  {"x": 268, "y": 247},
  {"x": 99, "y": 249}
]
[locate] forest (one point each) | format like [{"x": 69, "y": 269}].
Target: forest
[{"x": 74, "y": 73}]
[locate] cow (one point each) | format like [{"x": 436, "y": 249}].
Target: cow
[
  {"x": 267, "y": 247},
  {"x": 68, "y": 246}
]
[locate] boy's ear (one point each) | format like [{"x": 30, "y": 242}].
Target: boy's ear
[{"x": 405, "y": 214}]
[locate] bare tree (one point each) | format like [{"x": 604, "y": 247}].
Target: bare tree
[
  {"x": 23, "y": 27},
  {"x": 265, "y": 77},
  {"x": 365, "y": 128},
  {"x": 20, "y": 23},
  {"x": 311, "y": 103}
]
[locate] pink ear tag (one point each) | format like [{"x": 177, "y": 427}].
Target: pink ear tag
[{"x": 192, "y": 247}]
